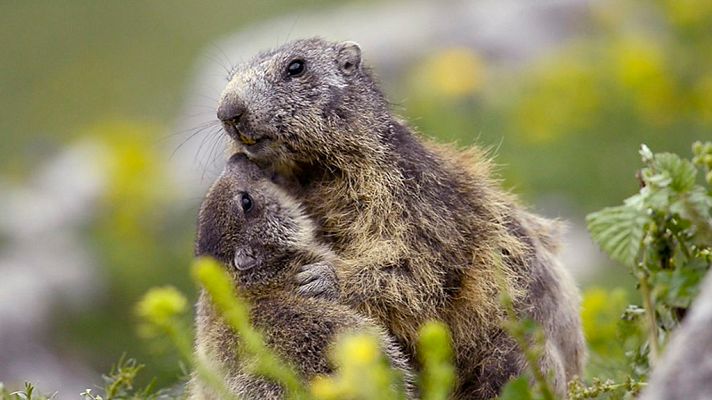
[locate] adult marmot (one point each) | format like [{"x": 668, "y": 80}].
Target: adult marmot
[
  {"x": 422, "y": 230},
  {"x": 263, "y": 237}
]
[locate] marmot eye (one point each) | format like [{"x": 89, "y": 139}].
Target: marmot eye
[
  {"x": 246, "y": 202},
  {"x": 295, "y": 68}
]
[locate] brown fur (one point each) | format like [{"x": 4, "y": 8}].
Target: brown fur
[
  {"x": 281, "y": 239},
  {"x": 423, "y": 230}
]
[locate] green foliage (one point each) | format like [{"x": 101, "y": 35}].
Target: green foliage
[
  {"x": 615, "y": 334},
  {"x": 663, "y": 235},
  {"x": 623, "y": 227},
  {"x": 119, "y": 384},
  {"x": 604, "y": 389},
  {"x": 27, "y": 393},
  {"x": 531, "y": 341},
  {"x": 438, "y": 373},
  {"x": 218, "y": 284}
]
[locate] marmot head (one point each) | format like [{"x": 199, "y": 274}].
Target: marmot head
[
  {"x": 249, "y": 223},
  {"x": 306, "y": 102}
]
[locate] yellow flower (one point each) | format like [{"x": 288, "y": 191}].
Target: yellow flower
[
  {"x": 325, "y": 388},
  {"x": 455, "y": 72},
  {"x": 137, "y": 181},
  {"x": 703, "y": 98},
  {"x": 562, "y": 95},
  {"x": 640, "y": 66},
  {"x": 689, "y": 13},
  {"x": 360, "y": 350},
  {"x": 161, "y": 304}
]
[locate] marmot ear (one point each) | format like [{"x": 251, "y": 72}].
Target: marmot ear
[{"x": 349, "y": 57}]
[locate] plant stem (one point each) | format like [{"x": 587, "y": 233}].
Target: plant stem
[
  {"x": 182, "y": 342},
  {"x": 652, "y": 320}
]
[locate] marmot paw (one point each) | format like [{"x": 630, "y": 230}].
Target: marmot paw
[{"x": 318, "y": 280}]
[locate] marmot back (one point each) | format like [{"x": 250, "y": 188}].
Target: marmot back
[
  {"x": 423, "y": 230},
  {"x": 263, "y": 238}
]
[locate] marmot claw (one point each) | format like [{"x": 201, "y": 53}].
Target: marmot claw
[{"x": 318, "y": 280}]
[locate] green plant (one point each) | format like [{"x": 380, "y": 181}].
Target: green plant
[
  {"x": 663, "y": 235},
  {"x": 119, "y": 384},
  {"x": 438, "y": 373},
  {"x": 364, "y": 373},
  {"x": 27, "y": 393},
  {"x": 236, "y": 313},
  {"x": 531, "y": 340}
]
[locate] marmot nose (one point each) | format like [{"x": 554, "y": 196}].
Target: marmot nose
[{"x": 230, "y": 110}]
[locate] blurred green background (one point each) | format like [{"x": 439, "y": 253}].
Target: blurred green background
[{"x": 565, "y": 127}]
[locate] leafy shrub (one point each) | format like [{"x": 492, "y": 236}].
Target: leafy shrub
[{"x": 663, "y": 235}]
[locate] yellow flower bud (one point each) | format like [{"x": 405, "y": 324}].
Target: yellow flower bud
[
  {"x": 160, "y": 305},
  {"x": 360, "y": 349},
  {"x": 324, "y": 388}
]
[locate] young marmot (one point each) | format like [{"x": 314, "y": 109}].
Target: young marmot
[
  {"x": 264, "y": 239},
  {"x": 423, "y": 230}
]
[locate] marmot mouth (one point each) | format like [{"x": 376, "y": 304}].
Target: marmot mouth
[
  {"x": 248, "y": 137},
  {"x": 252, "y": 142},
  {"x": 256, "y": 147}
]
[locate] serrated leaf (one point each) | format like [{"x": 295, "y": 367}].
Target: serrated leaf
[
  {"x": 657, "y": 199},
  {"x": 680, "y": 286},
  {"x": 695, "y": 206},
  {"x": 681, "y": 173},
  {"x": 618, "y": 231},
  {"x": 656, "y": 179}
]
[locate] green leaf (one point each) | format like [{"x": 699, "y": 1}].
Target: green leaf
[
  {"x": 619, "y": 231},
  {"x": 517, "y": 389},
  {"x": 678, "y": 173},
  {"x": 695, "y": 205},
  {"x": 435, "y": 351},
  {"x": 655, "y": 198},
  {"x": 679, "y": 287}
]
